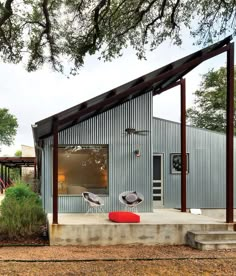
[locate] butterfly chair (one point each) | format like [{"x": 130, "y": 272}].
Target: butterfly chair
[
  {"x": 95, "y": 203},
  {"x": 131, "y": 200}
]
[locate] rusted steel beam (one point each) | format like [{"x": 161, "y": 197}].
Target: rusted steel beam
[
  {"x": 101, "y": 109},
  {"x": 230, "y": 137},
  {"x": 55, "y": 172},
  {"x": 183, "y": 145},
  {"x": 157, "y": 92}
]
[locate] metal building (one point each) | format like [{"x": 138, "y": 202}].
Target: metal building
[
  {"x": 125, "y": 170},
  {"x": 111, "y": 144},
  {"x": 206, "y": 159}
]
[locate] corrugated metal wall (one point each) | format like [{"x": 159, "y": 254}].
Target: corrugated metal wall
[
  {"x": 206, "y": 181},
  {"x": 126, "y": 171}
]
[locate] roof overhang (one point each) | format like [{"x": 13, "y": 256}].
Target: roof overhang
[{"x": 156, "y": 81}]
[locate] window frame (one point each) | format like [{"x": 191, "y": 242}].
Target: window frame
[
  {"x": 89, "y": 146},
  {"x": 172, "y": 169}
]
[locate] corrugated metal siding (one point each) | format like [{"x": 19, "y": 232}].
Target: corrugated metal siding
[
  {"x": 126, "y": 172},
  {"x": 206, "y": 181}
]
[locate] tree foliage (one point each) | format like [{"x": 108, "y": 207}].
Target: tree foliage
[
  {"x": 8, "y": 127},
  {"x": 53, "y": 31},
  {"x": 18, "y": 153},
  {"x": 210, "y": 102}
]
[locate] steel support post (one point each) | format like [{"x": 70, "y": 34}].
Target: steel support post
[
  {"x": 183, "y": 145},
  {"x": 230, "y": 137},
  {"x": 5, "y": 175},
  {"x": 2, "y": 187},
  {"x": 8, "y": 174},
  {"x": 55, "y": 172}
]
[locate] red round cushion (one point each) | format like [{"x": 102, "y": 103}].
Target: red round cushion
[{"x": 122, "y": 216}]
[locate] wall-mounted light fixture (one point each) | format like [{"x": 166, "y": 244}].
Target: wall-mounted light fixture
[{"x": 137, "y": 153}]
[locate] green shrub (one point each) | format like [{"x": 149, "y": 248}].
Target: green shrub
[
  {"x": 19, "y": 192},
  {"x": 21, "y": 212}
]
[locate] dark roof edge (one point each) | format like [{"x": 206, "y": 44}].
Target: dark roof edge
[
  {"x": 222, "y": 43},
  {"x": 157, "y": 79}
]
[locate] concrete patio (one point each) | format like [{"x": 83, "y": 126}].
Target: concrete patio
[{"x": 163, "y": 226}]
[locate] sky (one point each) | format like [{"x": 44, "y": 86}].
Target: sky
[{"x": 32, "y": 97}]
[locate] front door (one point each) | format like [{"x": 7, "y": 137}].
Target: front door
[{"x": 157, "y": 180}]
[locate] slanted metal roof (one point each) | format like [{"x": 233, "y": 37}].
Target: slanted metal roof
[{"x": 155, "y": 81}]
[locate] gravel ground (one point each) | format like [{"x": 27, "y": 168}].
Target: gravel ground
[
  {"x": 115, "y": 260},
  {"x": 118, "y": 252}
]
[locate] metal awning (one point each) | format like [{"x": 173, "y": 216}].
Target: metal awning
[{"x": 155, "y": 81}]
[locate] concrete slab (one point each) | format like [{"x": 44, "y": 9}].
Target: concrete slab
[
  {"x": 164, "y": 226},
  {"x": 217, "y": 213},
  {"x": 162, "y": 216}
]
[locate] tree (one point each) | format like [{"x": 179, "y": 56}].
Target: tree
[
  {"x": 52, "y": 31},
  {"x": 210, "y": 103},
  {"x": 8, "y": 127},
  {"x": 18, "y": 153}
]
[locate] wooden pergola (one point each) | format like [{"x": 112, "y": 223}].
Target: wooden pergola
[{"x": 8, "y": 163}]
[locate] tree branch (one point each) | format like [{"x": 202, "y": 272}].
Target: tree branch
[
  {"x": 79, "y": 5},
  {"x": 2, "y": 34},
  {"x": 115, "y": 11},
  {"x": 137, "y": 10},
  {"x": 101, "y": 4},
  {"x": 34, "y": 23},
  {"x": 174, "y": 25},
  {"x": 138, "y": 20},
  {"x": 7, "y": 12},
  {"x": 47, "y": 31},
  {"x": 36, "y": 54},
  {"x": 160, "y": 16}
]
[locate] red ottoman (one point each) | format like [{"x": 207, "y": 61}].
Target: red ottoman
[{"x": 124, "y": 217}]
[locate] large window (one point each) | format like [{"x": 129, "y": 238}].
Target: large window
[{"x": 83, "y": 168}]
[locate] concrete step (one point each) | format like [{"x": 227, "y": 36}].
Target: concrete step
[
  {"x": 212, "y": 235},
  {"x": 211, "y": 240},
  {"x": 215, "y": 245}
]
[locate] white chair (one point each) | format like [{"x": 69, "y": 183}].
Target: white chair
[
  {"x": 131, "y": 199},
  {"x": 95, "y": 203}
]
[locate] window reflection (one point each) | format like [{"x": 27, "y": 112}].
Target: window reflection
[{"x": 83, "y": 168}]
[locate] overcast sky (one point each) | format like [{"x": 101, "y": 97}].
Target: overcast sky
[{"x": 34, "y": 96}]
